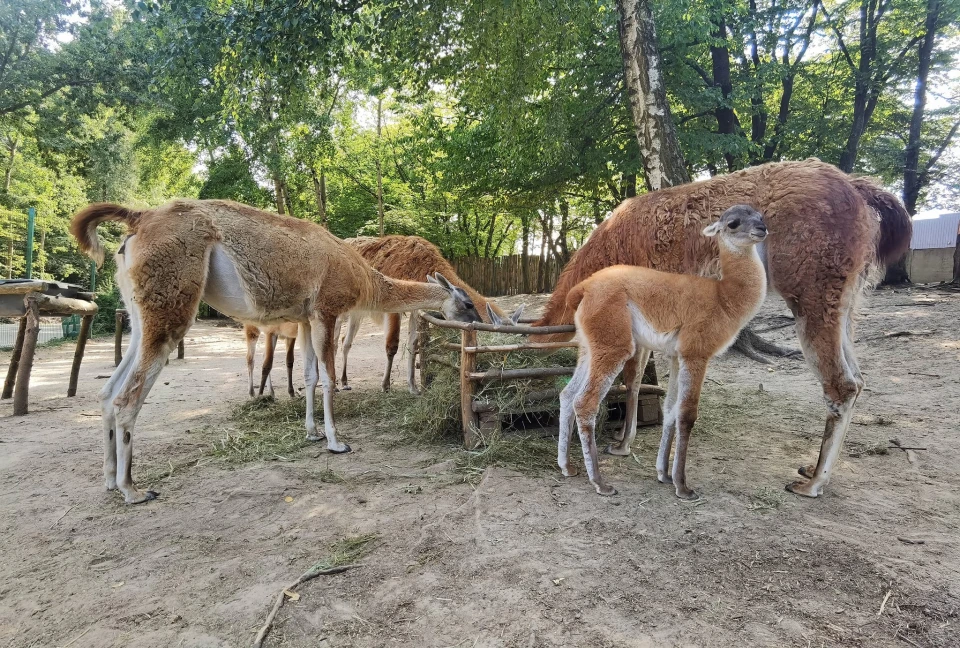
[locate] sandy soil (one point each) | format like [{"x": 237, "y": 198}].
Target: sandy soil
[{"x": 512, "y": 560}]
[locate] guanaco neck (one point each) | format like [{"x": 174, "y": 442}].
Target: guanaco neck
[
  {"x": 398, "y": 296},
  {"x": 743, "y": 281}
]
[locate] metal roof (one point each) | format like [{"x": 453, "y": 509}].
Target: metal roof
[{"x": 940, "y": 232}]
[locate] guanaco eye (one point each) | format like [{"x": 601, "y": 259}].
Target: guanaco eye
[
  {"x": 468, "y": 304},
  {"x": 734, "y": 224}
]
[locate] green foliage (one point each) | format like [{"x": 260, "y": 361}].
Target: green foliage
[{"x": 503, "y": 126}]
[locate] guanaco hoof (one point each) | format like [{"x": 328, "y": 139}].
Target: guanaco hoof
[
  {"x": 147, "y": 496},
  {"x": 615, "y": 449},
  {"x": 346, "y": 449},
  {"x": 346, "y": 388},
  {"x": 606, "y": 491},
  {"x": 803, "y": 489},
  {"x": 807, "y": 471},
  {"x": 688, "y": 494},
  {"x": 665, "y": 479},
  {"x": 314, "y": 437},
  {"x": 570, "y": 472}
]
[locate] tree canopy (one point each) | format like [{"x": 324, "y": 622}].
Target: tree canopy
[{"x": 487, "y": 127}]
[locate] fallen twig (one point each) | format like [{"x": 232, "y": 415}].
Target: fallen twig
[
  {"x": 909, "y": 641},
  {"x": 905, "y": 448},
  {"x": 884, "y": 604},
  {"x": 62, "y": 516},
  {"x": 776, "y": 326},
  {"x": 911, "y": 542},
  {"x": 896, "y": 334},
  {"x": 306, "y": 576},
  {"x": 920, "y": 373}
]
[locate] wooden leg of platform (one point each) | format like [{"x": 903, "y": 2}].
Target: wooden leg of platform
[
  {"x": 14, "y": 360},
  {"x": 78, "y": 354},
  {"x": 21, "y": 392}
]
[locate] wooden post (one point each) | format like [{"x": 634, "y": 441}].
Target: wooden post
[
  {"x": 118, "y": 337},
  {"x": 423, "y": 344},
  {"x": 78, "y": 354},
  {"x": 22, "y": 389},
  {"x": 180, "y": 350},
  {"x": 14, "y": 360},
  {"x": 468, "y": 362}
]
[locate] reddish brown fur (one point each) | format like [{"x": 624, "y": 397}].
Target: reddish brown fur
[
  {"x": 413, "y": 258},
  {"x": 824, "y": 240},
  {"x": 820, "y": 230}
]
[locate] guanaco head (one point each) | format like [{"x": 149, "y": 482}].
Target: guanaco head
[
  {"x": 740, "y": 227},
  {"x": 510, "y": 320},
  {"x": 458, "y": 306}
]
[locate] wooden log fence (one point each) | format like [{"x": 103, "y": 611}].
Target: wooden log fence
[
  {"x": 479, "y": 418},
  {"x": 504, "y": 275}
]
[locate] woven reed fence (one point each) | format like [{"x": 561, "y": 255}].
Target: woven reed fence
[{"x": 505, "y": 275}]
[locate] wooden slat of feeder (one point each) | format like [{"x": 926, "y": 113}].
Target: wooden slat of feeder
[
  {"x": 468, "y": 363},
  {"x": 517, "y": 374},
  {"x": 505, "y": 348},
  {"x": 22, "y": 287},
  {"x": 480, "y": 326},
  {"x": 549, "y": 394}
]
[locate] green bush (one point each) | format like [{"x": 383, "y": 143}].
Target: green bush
[{"x": 108, "y": 300}]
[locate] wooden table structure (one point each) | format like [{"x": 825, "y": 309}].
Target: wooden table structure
[
  {"x": 480, "y": 418},
  {"x": 28, "y": 300}
]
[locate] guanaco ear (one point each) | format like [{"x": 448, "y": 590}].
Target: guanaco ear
[
  {"x": 443, "y": 281},
  {"x": 494, "y": 318},
  {"x": 712, "y": 229},
  {"x": 515, "y": 315}
]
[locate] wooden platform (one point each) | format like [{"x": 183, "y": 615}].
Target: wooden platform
[{"x": 28, "y": 300}]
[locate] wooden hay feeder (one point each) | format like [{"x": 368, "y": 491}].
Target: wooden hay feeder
[{"x": 480, "y": 417}]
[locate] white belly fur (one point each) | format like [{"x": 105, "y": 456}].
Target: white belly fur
[
  {"x": 224, "y": 289},
  {"x": 648, "y": 337}
]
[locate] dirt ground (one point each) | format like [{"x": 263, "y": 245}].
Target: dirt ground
[{"x": 509, "y": 559}]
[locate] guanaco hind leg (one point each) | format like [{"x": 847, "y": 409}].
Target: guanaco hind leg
[
  {"x": 269, "y": 350},
  {"x": 353, "y": 325},
  {"x": 391, "y": 332},
  {"x": 632, "y": 378},
  {"x": 252, "y": 334},
  {"x": 831, "y": 358},
  {"x": 290, "y": 346},
  {"x": 670, "y": 415}
]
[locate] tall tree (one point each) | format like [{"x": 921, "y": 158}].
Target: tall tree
[{"x": 660, "y": 154}]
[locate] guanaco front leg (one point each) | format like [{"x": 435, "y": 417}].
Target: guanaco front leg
[{"x": 690, "y": 379}]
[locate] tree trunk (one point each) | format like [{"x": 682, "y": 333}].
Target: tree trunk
[
  {"x": 525, "y": 254},
  {"x": 286, "y": 197},
  {"x": 911, "y": 165},
  {"x": 278, "y": 195},
  {"x": 320, "y": 189},
  {"x": 861, "y": 94},
  {"x": 726, "y": 118},
  {"x": 379, "y": 166},
  {"x": 14, "y": 143},
  {"x": 659, "y": 148},
  {"x": 562, "y": 234}
]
